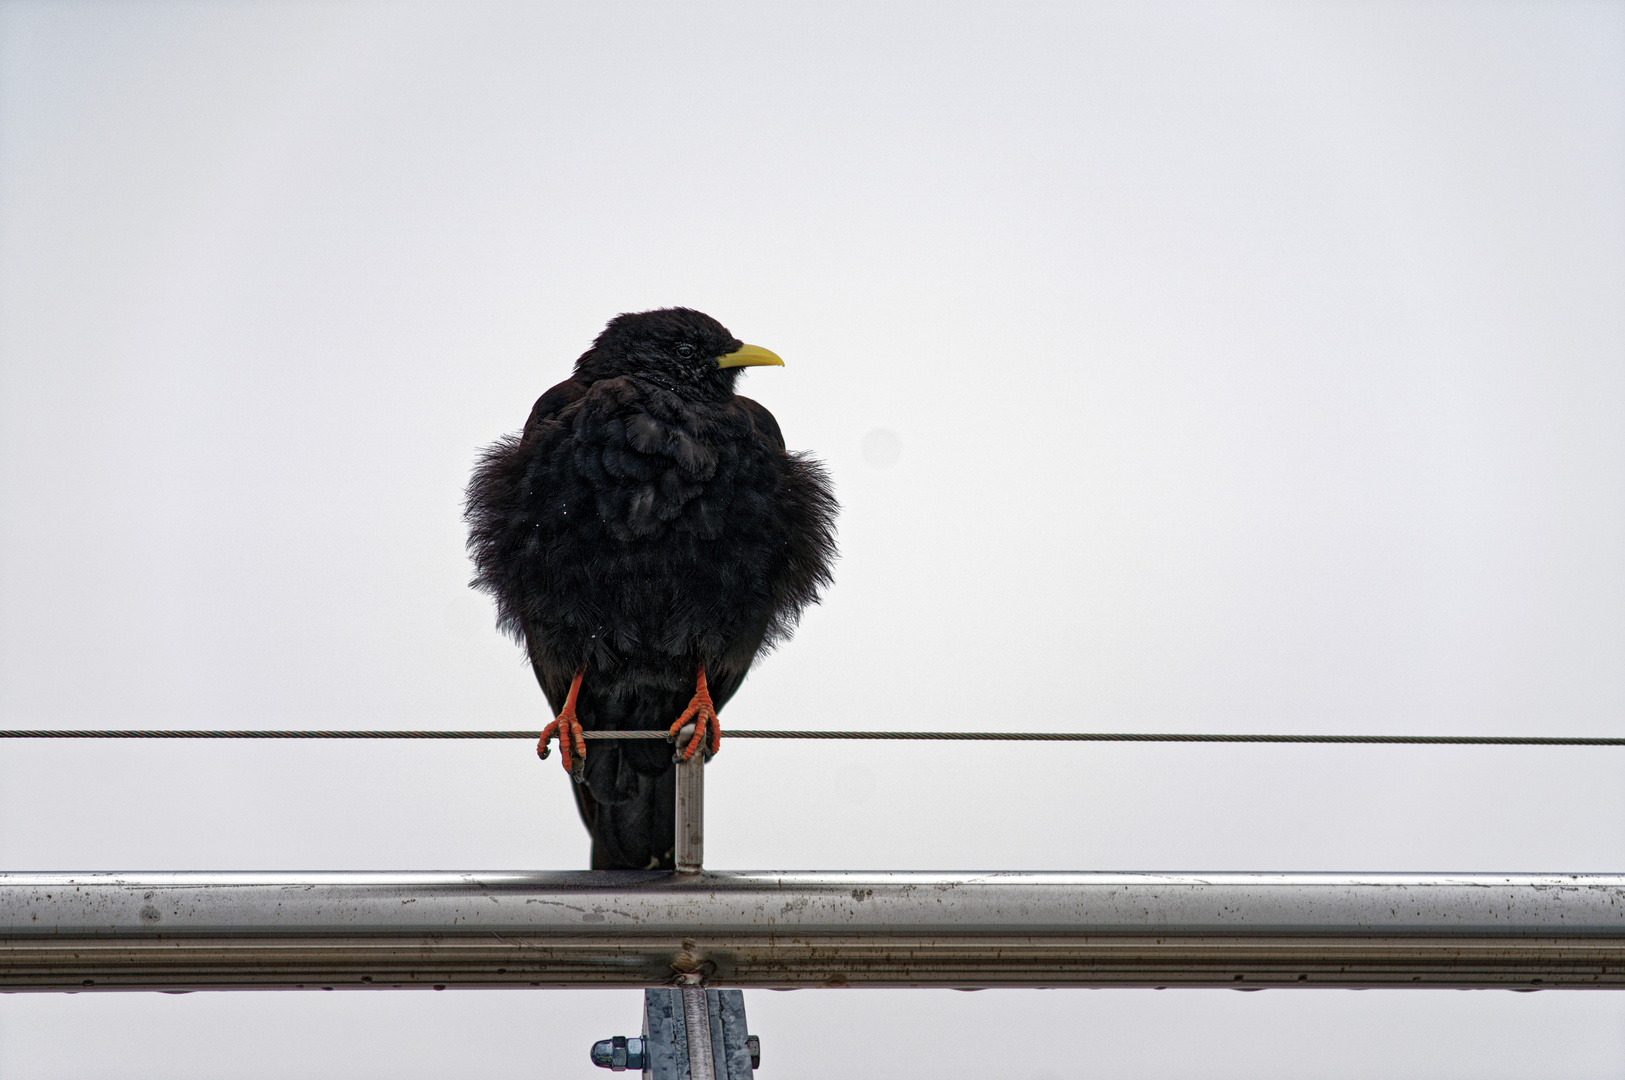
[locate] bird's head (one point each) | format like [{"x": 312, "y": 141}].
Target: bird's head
[{"x": 684, "y": 351}]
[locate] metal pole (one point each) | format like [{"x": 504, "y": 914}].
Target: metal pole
[
  {"x": 169, "y": 931},
  {"x": 690, "y": 851}
]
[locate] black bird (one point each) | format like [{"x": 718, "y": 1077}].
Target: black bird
[{"x": 646, "y": 537}]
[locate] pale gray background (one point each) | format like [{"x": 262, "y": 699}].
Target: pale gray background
[{"x": 1223, "y": 367}]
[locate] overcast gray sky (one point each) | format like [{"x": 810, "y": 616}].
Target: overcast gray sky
[{"x": 1221, "y": 367}]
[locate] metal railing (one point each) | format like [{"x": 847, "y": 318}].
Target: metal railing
[{"x": 179, "y": 931}]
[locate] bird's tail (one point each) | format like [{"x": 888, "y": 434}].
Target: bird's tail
[{"x": 628, "y": 799}]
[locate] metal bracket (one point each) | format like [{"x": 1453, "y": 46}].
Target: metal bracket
[{"x": 689, "y": 1033}]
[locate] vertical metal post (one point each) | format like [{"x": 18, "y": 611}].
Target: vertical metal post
[{"x": 690, "y": 853}]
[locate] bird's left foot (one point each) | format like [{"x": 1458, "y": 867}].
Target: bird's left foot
[{"x": 707, "y": 728}]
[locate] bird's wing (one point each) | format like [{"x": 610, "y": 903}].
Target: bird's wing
[
  {"x": 493, "y": 510},
  {"x": 767, "y": 428},
  {"x": 545, "y": 412},
  {"x": 806, "y": 506}
]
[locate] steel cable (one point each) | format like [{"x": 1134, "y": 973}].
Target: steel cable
[{"x": 947, "y": 736}]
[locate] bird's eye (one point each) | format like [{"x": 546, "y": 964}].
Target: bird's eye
[{"x": 685, "y": 351}]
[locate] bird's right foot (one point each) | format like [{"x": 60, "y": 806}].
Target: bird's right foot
[{"x": 568, "y": 729}]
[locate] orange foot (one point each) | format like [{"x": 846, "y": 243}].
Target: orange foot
[
  {"x": 568, "y": 729},
  {"x": 704, "y": 714}
]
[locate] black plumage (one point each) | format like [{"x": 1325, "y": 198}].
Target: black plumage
[{"x": 647, "y": 526}]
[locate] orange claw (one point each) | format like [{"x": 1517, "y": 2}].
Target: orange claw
[
  {"x": 567, "y": 722},
  {"x": 704, "y": 715}
]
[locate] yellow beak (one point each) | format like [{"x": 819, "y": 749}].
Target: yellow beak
[{"x": 750, "y": 356}]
